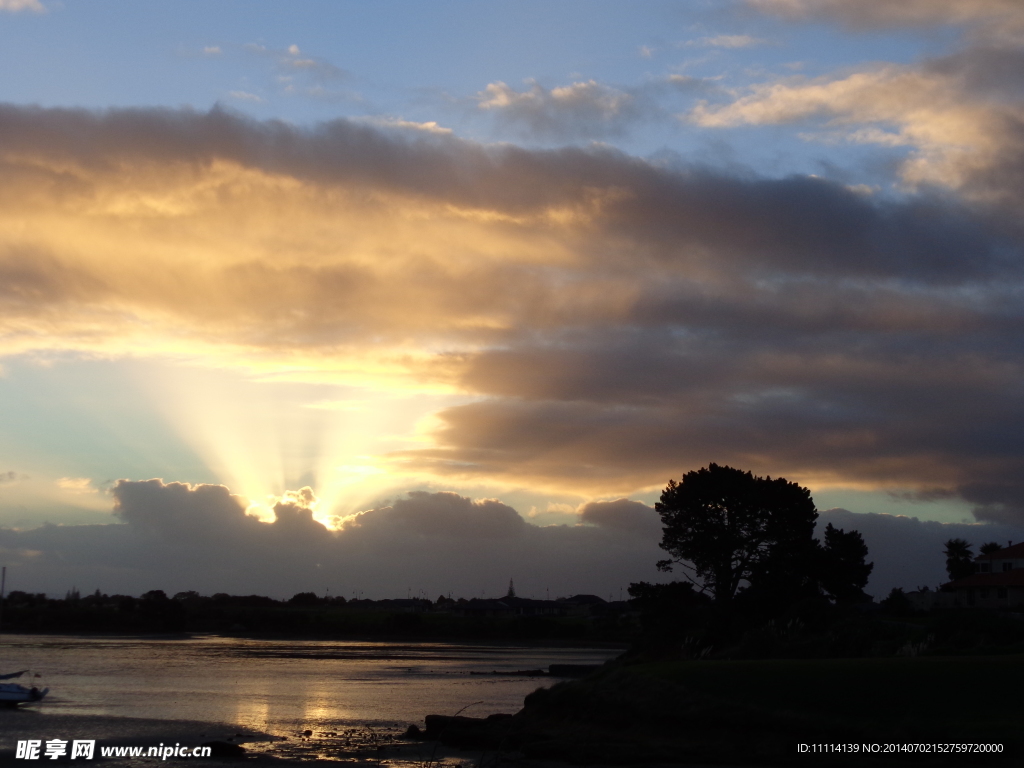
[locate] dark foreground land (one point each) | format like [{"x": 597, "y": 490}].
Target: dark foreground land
[
  {"x": 696, "y": 713},
  {"x": 758, "y": 712}
]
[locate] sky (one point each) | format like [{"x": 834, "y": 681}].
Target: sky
[{"x": 394, "y": 298}]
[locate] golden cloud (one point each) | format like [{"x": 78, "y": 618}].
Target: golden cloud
[
  {"x": 592, "y": 323},
  {"x": 955, "y": 136}
]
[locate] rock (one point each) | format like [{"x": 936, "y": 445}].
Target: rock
[
  {"x": 469, "y": 732},
  {"x": 573, "y": 670},
  {"x": 222, "y": 749}
]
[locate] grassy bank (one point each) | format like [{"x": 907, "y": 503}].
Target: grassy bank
[
  {"x": 756, "y": 712},
  {"x": 954, "y": 698}
]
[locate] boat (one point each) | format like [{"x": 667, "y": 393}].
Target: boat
[{"x": 12, "y": 694}]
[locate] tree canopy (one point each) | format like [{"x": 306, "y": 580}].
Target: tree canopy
[
  {"x": 959, "y": 559},
  {"x": 844, "y": 570},
  {"x": 732, "y": 531}
]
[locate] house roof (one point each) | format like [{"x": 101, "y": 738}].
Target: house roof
[
  {"x": 1016, "y": 552},
  {"x": 1014, "y": 578},
  {"x": 583, "y": 600}
]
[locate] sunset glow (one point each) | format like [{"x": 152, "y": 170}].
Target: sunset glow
[{"x": 503, "y": 263}]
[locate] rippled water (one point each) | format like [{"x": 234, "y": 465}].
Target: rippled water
[{"x": 278, "y": 686}]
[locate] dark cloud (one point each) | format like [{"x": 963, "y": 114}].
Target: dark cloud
[
  {"x": 798, "y": 225},
  {"x": 444, "y": 514},
  {"x": 908, "y": 552},
  {"x": 623, "y": 515},
  {"x": 875, "y": 14},
  {"x": 820, "y": 415},
  {"x": 434, "y": 542},
  {"x": 177, "y": 537},
  {"x": 179, "y": 508}
]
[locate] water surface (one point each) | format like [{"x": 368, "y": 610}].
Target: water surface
[{"x": 280, "y": 686}]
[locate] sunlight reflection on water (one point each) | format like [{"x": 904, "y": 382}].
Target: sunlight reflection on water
[{"x": 281, "y": 685}]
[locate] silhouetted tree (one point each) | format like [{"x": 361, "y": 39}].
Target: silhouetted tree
[
  {"x": 844, "y": 572},
  {"x": 727, "y": 526},
  {"x": 897, "y": 603},
  {"x": 667, "y": 611},
  {"x": 991, "y": 548},
  {"x": 959, "y": 559}
]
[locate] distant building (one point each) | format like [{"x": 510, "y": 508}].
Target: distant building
[{"x": 997, "y": 583}]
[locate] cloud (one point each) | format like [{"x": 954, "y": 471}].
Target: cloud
[
  {"x": 292, "y": 61},
  {"x": 394, "y": 122},
  {"x": 246, "y": 96},
  {"x": 176, "y": 537},
  {"x": 881, "y": 13},
  {"x": 608, "y": 322},
  {"x": 582, "y": 110},
  {"x": 11, "y": 477},
  {"x": 959, "y": 135},
  {"x": 177, "y": 508},
  {"x": 14, "y": 6},
  {"x": 727, "y": 41},
  {"x": 908, "y": 552},
  {"x": 623, "y": 515},
  {"x": 443, "y": 514},
  {"x": 76, "y": 485},
  {"x": 212, "y": 50}
]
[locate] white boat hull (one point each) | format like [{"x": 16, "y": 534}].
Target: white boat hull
[{"x": 12, "y": 693}]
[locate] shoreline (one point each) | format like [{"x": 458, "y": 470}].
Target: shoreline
[
  {"x": 390, "y": 639},
  {"x": 362, "y": 745},
  {"x": 26, "y": 723}
]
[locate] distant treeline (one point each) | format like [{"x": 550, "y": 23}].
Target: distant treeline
[{"x": 306, "y": 614}]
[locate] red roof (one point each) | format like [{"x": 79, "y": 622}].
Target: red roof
[
  {"x": 1013, "y": 578},
  {"x": 1016, "y": 552}
]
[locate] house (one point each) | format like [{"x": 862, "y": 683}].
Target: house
[
  {"x": 998, "y": 581},
  {"x": 1006, "y": 559}
]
